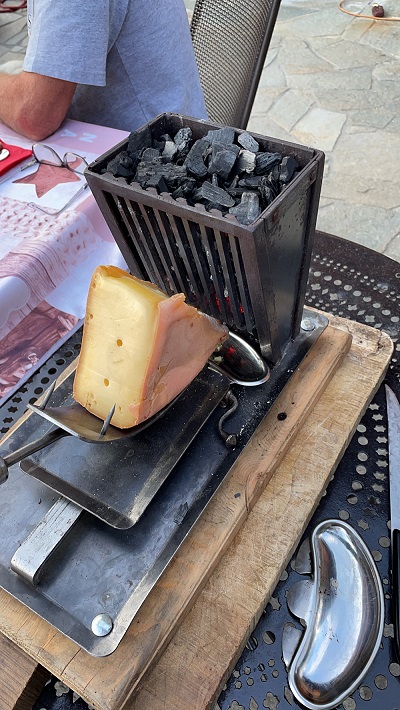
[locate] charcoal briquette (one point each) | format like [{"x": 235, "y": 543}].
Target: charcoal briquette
[
  {"x": 288, "y": 167},
  {"x": 211, "y": 193},
  {"x": 248, "y": 208},
  {"x": 137, "y": 142},
  {"x": 225, "y": 135},
  {"x": 169, "y": 152},
  {"x": 194, "y": 161},
  {"x": 266, "y": 161},
  {"x": 246, "y": 161},
  {"x": 122, "y": 165},
  {"x": 150, "y": 154},
  {"x": 247, "y": 142},
  {"x": 221, "y": 162}
]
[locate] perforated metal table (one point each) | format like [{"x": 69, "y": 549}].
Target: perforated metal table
[{"x": 356, "y": 283}]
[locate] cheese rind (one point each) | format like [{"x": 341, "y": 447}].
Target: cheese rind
[{"x": 140, "y": 348}]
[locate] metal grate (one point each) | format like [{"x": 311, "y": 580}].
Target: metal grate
[
  {"x": 182, "y": 255},
  {"x": 13, "y": 409},
  {"x": 231, "y": 40}
]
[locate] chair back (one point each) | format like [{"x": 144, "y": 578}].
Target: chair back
[{"x": 231, "y": 40}]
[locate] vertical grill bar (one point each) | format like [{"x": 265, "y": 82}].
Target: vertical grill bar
[
  {"x": 136, "y": 235},
  {"x": 183, "y": 256},
  {"x": 149, "y": 245},
  {"x": 197, "y": 250},
  {"x": 169, "y": 280},
  {"x": 176, "y": 276},
  {"x": 242, "y": 283},
  {"x": 230, "y": 285},
  {"x": 191, "y": 289},
  {"x": 211, "y": 256}
]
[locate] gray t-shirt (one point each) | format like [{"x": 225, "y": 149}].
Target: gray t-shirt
[{"x": 131, "y": 59}]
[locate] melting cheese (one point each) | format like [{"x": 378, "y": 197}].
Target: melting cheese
[{"x": 140, "y": 348}]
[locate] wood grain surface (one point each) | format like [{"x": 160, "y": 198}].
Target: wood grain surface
[
  {"x": 21, "y": 678},
  {"x": 210, "y": 597}
]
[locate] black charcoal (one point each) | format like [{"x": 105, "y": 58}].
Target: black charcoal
[
  {"x": 251, "y": 181},
  {"x": 221, "y": 161},
  {"x": 159, "y": 145},
  {"x": 232, "y": 147},
  {"x": 237, "y": 192},
  {"x": 171, "y": 173},
  {"x": 224, "y": 170},
  {"x": 122, "y": 165},
  {"x": 157, "y": 181},
  {"x": 213, "y": 194},
  {"x": 169, "y": 152},
  {"x": 137, "y": 142},
  {"x": 266, "y": 193},
  {"x": 248, "y": 209},
  {"x": 182, "y": 139},
  {"x": 226, "y": 136},
  {"x": 195, "y": 158},
  {"x": 247, "y": 142},
  {"x": 272, "y": 182},
  {"x": 288, "y": 167},
  {"x": 185, "y": 188},
  {"x": 266, "y": 161},
  {"x": 246, "y": 162},
  {"x": 150, "y": 154}
]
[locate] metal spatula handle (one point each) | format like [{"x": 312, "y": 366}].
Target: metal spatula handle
[{"x": 27, "y": 450}]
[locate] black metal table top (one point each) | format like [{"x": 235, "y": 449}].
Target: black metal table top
[{"x": 353, "y": 282}]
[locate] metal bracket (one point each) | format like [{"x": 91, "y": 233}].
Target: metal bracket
[{"x": 30, "y": 558}]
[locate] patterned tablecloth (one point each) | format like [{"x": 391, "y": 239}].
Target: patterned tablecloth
[{"x": 46, "y": 260}]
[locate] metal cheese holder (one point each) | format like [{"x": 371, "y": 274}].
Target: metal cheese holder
[{"x": 142, "y": 495}]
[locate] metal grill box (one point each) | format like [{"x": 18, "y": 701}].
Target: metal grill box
[{"x": 253, "y": 277}]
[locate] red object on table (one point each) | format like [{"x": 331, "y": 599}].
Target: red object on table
[
  {"x": 17, "y": 155},
  {"x": 11, "y": 8}
]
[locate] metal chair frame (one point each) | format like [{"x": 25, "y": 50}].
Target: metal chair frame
[{"x": 231, "y": 39}]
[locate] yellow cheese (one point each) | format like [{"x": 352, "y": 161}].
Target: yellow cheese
[{"x": 140, "y": 348}]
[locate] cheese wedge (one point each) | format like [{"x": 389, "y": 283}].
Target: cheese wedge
[{"x": 140, "y": 348}]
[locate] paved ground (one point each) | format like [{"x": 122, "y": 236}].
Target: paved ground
[{"x": 331, "y": 81}]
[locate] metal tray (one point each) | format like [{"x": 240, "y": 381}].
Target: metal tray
[
  {"x": 102, "y": 574},
  {"x": 116, "y": 481}
]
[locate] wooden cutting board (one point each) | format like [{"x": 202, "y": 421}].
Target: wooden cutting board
[{"x": 187, "y": 636}]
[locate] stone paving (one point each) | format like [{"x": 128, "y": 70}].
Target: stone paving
[{"x": 331, "y": 81}]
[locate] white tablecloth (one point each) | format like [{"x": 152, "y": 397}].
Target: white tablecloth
[{"x": 46, "y": 261}]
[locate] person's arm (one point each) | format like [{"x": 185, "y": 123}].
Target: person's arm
[{"x": 34, "y": 105}]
